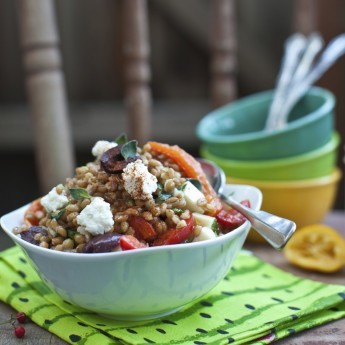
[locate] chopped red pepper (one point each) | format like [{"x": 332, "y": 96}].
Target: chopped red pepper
[
  {"x": 128, "y": 242},
  {"x": 231, "y": 219},
  {"x": 142, "y": 228},
  {"x": 176, "y": 236}
]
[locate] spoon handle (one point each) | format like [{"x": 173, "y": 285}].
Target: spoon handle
[{"x": 275, "y": 230}]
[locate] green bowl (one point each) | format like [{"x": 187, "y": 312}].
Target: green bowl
[
  {"x": 236, "y": 130},
  {"x": 314, "y": 164}
]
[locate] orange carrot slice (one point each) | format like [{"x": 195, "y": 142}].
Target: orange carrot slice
[{"x": 191, "y": 168}]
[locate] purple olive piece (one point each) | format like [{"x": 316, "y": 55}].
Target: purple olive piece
[
  {"x": 113, "y": 162},
  {"x": 29, "y": 235},
  {"x": 102, "y": 243}
]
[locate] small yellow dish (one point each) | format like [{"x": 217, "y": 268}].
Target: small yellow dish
[{"x": 303, "y": 201}]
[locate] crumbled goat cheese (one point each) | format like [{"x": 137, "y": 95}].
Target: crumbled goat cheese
[
  {"x": 96, "y": 218},
  {"x": 101, "y": 146},
  {"x": 54, "y": 201},
  {"x": 138, "y": 182}
]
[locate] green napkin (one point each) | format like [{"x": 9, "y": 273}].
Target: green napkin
[{"x": 255, "y": 303}]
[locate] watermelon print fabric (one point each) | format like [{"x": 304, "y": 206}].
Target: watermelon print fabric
[{"x": 256, "y": 303}]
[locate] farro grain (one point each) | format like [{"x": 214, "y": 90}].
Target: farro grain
[
  {"x": 44, "y": 244},
  {"x": 61, "y": 231},
  {"x": 79, "y": 238},
  {"x": 68, "y": 244},
  {"x": 57, "y": 240},
  {"x": 181, "y": 224}
]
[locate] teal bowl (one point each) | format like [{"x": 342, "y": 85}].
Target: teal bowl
[
  {"x": 313, "y": 164},
  {"x": 236, "y": 130}
]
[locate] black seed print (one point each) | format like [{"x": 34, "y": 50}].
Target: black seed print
[
  {"x": 249, "y": 306},
  {"x": 294, "y": 317},
  {"x": 269, "y": 322},
  {"x": 169, "y": 322},
  {"x": 206, "y": 304},
  {"x": 294, "y": 308},
  {"x": 74, "y": 338},
  {"x": 100, "y": 324},
  {"x": 291, "y": 331},
  {"x": 15, "y": 285},
  {"x": 226, "y": 278},
  {"x": 277, "y": 299},
  {"x": 48, "y": 322},
  {"x": 24, "y": 299},
  {"x": 342, "y": 295},
  {"x": 149, "y": 341},
  {"x": 22, "y": 260},
  {"x": 206, "y": 316},
  {"x": 22, "y": 274},
  {"x": 227, "y": 293},
  {"x": 129, "y": 330},
  {"x": 288, "y": 290},
  {"x": 233, "y": 269},
  {"x": 160, "y": 330},
  {"x": 229, "y": 321},
  {"x": 265, "y": 275},
  {"x": 200, "y": 330},
  {"x": 230, "y": 340},
  {"x": 222, "y": 331},
  {"x": 67, "y": 302},
  {"x": 82, "y": 324},
  {"x": 334, "y": 309},
  {"x": 197, "y": 342}
]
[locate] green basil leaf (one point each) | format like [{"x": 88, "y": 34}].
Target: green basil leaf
[
  {"x": 129, "y": 149},
  {"x": 79, "y": 193},
  {"x": 161, "y": 194},
  {"x": 177, "y": 210},
  {"x": 71, "y": 233},
  {"x": 195, "y": 182},
  {"x": 215, "y": 228},
  {"x": 57, "y": 214},
  {"x": 121, "y": 139}
]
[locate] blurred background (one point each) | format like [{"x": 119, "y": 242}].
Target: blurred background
[{"x": 179, "y": 33}]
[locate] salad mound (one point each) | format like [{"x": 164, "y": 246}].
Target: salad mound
[{"x": 129, "y": 197}]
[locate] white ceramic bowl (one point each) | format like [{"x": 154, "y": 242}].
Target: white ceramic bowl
[{"x": 139, "y": 284}]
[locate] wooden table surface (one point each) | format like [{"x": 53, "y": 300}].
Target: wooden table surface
[{"x": 330, "y": 334}]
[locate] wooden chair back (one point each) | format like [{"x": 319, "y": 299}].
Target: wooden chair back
[{"x": 45, "y": 81}]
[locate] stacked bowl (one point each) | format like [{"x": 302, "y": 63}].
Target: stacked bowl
[{"x": 295, "y": 167}]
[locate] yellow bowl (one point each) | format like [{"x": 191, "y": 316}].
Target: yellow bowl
[{"x": 303, "y": 201}]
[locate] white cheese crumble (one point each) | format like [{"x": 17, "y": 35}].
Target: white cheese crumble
[
  {"x": 96, "y": 218},
  {"x": 138, "y": 181},
  {"x": 54, "y": 201},
  {"x": 101, "y": 146}
]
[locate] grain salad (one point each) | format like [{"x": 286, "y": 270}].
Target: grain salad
[{"x": 129, "y": 197}]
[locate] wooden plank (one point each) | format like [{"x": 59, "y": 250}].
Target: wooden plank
[
  {"x": 46, "y": 91},
  {"x": 224, "y": 54},
  {"x": 172, "y": 122},
  {"x": 137, "y": 73},
  {"x": 305, "y": 16}
]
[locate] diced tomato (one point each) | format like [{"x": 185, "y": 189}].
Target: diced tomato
[
  {"x": 128, "y": 242},
  {"x": 231, "y": 219},
  {"x": 143, "y": 229},
  {"x": 191, "y": 168},
  {"x": 30, "y": 218},
  {"x": 176, "y": 236}
]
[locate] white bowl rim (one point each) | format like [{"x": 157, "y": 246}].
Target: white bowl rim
[
  {"x": 99, "y": 256},
  {"x": 209, "y": 137}
]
